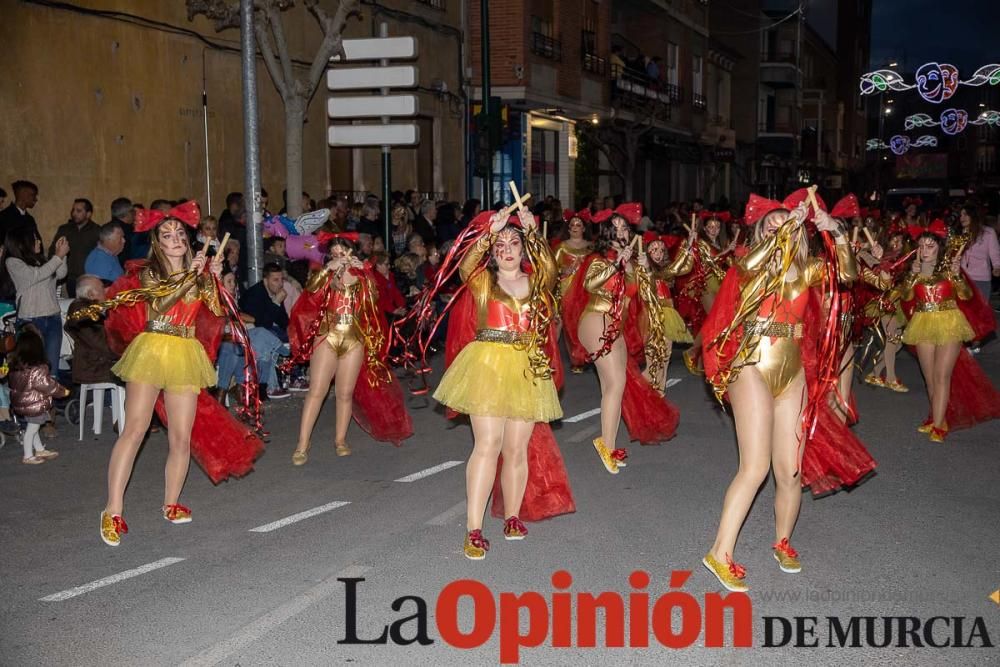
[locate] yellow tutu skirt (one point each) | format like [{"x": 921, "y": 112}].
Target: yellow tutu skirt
[
  {"x": 674, "y": 325},
  {"x": 712, "y": 284},
  {"x": 938, "y": 328},
  {"x": 495, "y": 380},
  {"x": 172, "y": 363}
]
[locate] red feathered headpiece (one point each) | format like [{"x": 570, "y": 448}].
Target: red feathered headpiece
[
  {"x": 721, "y": 216},
  {"x": 188, "y": 213},
  {"x": 631, "y": 211},
  {"x": 758, "y": 207},
  {"x": 799, "y": 196},
  {"x": 847, "y": 207}
]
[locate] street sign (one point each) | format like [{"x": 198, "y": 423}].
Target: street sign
[
  {"x": 359, "y": 78},
  {"x": 396, "y": 134},
  {"x": 372, "y": 106},
  {"x": 377, "y": 48}
]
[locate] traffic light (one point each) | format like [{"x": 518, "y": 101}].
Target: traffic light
[
  {"x": 484, "y": 152},
  {"x": 489, "y": 135}
]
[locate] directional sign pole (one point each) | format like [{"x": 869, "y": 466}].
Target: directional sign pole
[
  {"x": 386, "y": 159},
  {"x": 484, "y": 38}
]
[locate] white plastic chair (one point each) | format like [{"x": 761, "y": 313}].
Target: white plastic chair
[{"x": 97, "y": 401}]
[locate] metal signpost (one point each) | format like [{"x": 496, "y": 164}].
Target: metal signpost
[{"x": 384, "y": 106}]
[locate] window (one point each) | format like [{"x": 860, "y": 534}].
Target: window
[
  {"x": 696, "y": 75},
  {"x": 544, "y": 163},
  {"x": 673, "y": 56}
]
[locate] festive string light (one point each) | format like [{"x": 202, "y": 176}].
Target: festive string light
[
  {"x": 936, "y": 82},
  {"x": 952, "y": 121},
  {"x": 900, "y": 144}
]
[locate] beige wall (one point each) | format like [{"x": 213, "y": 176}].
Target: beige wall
[{"x": 100, "y": 108}]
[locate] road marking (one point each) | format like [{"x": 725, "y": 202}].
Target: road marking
[
  {"x": 255, "y": 630},
  {"x": 430, "y": 471},
  {"x": 672, "y": 381},
  {"x": 449, "y": 515},
  {"x": 280, "y": 523},
  {"x": 107, "y": 581},
  {"x": 583, "y": 415}
]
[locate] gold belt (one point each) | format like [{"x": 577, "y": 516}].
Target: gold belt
[
  {"x": 161, "y": 327},
  {"x": 776, "y": 329},
  {"x": 341, "y": 320},
  {"x": 935, "y": 306},
  {"x": 501, "y": 336}
]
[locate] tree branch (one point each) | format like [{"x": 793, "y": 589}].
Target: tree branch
[
  {"x": 224, "y": 14},
  {"x": 333, "y": 30},
  {"x": 272, "y": 10},
  {"x": 267, "y": 51}
]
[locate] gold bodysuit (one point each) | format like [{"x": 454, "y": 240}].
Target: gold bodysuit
[{"x": 339, "y": 326}]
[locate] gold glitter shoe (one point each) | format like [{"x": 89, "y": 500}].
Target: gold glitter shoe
[
  {"x": 177, "y": 513},
  {"x": 576, "y": 370},
  {"x": 299, "y": 458},
  {"x": 514, "y": 529},
  {"x": 476, "y": 545},
  {"x": 926, "y": 426},
  {"x": 112, "y": 528},
  {"x": 875, "y": 380},
  {"x": 897, "y": 387},
  {"x": 787, "y": 557},
  {"x": 939, "y": 433},
  {"x": 691, "y": 363},
  {"x": 343, "y": 449},
  {"x": 730, "y": 575},
  {"x": 605, "y": 454}
]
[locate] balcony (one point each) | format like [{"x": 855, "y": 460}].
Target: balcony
[
  {"x": 779, "y": 69},
  {"x": 594, "y": 64},
  {"x": 633, "y": 90},
  {"x": 777, "y": 128},
  {"x": 675, "y": 92},
  {"x": 698, "y": 101},
  {"x": 546, "y": 47},
  {"x": 436, "y": 4}
]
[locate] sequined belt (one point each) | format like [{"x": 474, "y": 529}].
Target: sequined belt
[
  {"x": 161, "y": 327},
  {"x": 501, "y": 336},
  {"x": 775, "y": 329},
  {"x": 935, "y": 306},
  {"x": 345, "y": 319}
]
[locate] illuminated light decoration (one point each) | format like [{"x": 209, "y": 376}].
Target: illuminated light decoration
[
  {"x": 918, "y": 120},
  {"x": 952, "y": 121},
  {"x": 988, "y": 118},
  {"x": 936, "y": 82},
  {"x": 876, "y": 145},
  {"x": 925, "y": 141},
  {"x": 899, "y": 144}
]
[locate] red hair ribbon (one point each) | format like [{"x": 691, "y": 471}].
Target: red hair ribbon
[
  {"x": 631, "y": 211},
  {"x": 847, "y": 207},
  {"x": 799, "y": 196},
  {"x": 937, "y": 228},
  {"x": 649, "y": 237},
  {"x": 189, "y": 213},
  {"x": 757, "y": 207},
  {"x": 671, "y": 240},
  {"x": 916, "y": 201},
  {"x": 325, "y": 237},
  {"x": 569, "y": 214},
  {"x": 584, "y": 214},
  {"x": 721, "y": 216}
]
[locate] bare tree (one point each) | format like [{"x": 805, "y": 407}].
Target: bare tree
[
  {"x": 296, "y": 91},
  {"x": 621, "y": 138}
]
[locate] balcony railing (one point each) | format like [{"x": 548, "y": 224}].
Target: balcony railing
[
  {"x": 436, "y": 4},
  {"x": 633, "y": 89},
  {"x": 675, "y": 92},
  {"x": 545, "y": 46},
  {"x": 698, "y": 101},
  {"x": 595, "y": 64},
  {"x": 778, "y": 57}
]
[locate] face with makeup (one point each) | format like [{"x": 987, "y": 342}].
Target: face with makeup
[
  {"x": 508, "y": 250},
  {"x": 896, "y": 243},
  {"x": 928, "y": 248},
  {"x": 576, "y": 229},
  {"x": 773, "y": 221},
  {"x": 172, "y": 238},
  {"x": 657, "y": 251},
  {"x": 619, "y": 229},
  {"x": 712, "y": 228}
]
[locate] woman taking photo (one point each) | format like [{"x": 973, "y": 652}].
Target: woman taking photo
[
  {"x": 338, "y": 327},
  {"x": 757, "y": 350}
]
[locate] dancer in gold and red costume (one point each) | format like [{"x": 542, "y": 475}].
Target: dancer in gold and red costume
[
  {"x": 500, "y": 355},
  {"x": 664, "y": 271},
  {"x": 695, "y": 291},
  {"x": 571, "y": 250},
  {"x": 606, "y": 315},
  {"x": 165, "y": 320},
  {"x": 767, "y": 350},
  {"x": 882, "y": 311},
  {"x": 945, "y": 311},
  {"x": 337, "y": 326}
]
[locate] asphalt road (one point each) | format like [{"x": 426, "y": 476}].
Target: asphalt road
[{"x": 918, "y": 539}]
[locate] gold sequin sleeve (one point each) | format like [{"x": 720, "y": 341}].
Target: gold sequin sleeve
[
  {"x": 755, "y": 260},
  {"x": 880, "y": 280},
  {"x": 962, "y": 289},
  {"x": 318, "y": 280},
  {"x": 479, "y": 280},
  {"x": 599, "y": 272},
  {"x": 209, "y": 294},
  {"x": 543, "y": 254},
  {"x": 161, "y": 304},
  {"x": 681, "y": 265}
]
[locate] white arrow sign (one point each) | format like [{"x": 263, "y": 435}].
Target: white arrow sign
[
  {"x": 356, "y": 78},
  {"x": 398, "y": 134},
  {"x": 372, "y": 106},
  {"x": 377, "y": 48}
]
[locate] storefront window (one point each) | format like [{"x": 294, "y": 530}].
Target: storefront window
[{"x": 544, "y": 163}]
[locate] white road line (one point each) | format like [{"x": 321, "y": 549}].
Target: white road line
[
  {"x": 430, "y": 471},
  {"x": 672, "y": 381},
  {"x": 280, "y": 523},
  {"x": 255, "y": 630},
  {"x": 580, "y": 417},
  {"x": 107, "y": 581},
  {"x": 449, "y": 515}
]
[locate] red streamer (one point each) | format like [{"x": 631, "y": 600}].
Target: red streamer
[{"x": 249, "y": 409}]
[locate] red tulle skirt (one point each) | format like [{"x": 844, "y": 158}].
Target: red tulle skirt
[
  {"x": 973, "y": 398},
  {"x": 834, "y": 458},
  {"x": 650, "y": 418},
  {"x": 381, "y": 411},
  {"x": 547, "y": 493}
]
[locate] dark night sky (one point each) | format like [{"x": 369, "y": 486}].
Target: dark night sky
[{"x": 965, "y": 33}]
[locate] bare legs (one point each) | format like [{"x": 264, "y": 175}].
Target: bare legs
[
  {"x": 842, "y": 401},
  {"x": 323, "y": 367},
  {"x": 888, "y": 361},
  {"x": 937, "y": 362},
  {"x": 610, "y": 371},
  {"x": 493, "y": 436},
  {"x": 767, "y": 431},
  {"x": 139, "y": 401}
]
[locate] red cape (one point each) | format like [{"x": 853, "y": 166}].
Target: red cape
[{"x": 220, "y": 444}]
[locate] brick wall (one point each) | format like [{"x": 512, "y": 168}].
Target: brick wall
[{"x": 508, "y": 37}]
